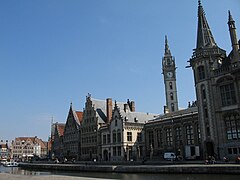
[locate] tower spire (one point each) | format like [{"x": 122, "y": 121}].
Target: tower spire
[
  {"x": 167, "y": 50},
  {"x": 204, "y": 34},
  {"x": 233, "y": 34}
]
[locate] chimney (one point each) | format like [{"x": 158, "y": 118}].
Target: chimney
[
  {"x": 132, "y": 106},
  {"x": 126, "y": 107},
  {"x": 109, "y": 109}
]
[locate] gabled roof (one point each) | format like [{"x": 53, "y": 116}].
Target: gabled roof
[
  {"x": 134, "y": 117},
  {"x": 101, "y": 109},
  {"x": 33, "y": 140}
]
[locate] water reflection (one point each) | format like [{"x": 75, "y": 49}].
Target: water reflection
[{"x": 16, "y": 170}]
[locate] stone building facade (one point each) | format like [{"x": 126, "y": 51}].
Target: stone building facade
[
  {"x": 57, "y": 140},
  {"x": 95, "y": 114},
  {"x": 217, "y": 83},
  {"x": 123, "y": 137},
  {"x": 176, "y": 132},
  {"x": 71, "y": 137}
]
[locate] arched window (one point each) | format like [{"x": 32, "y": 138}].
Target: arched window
[
  {"x": 170, "y": 85},
  {"x": 171, "y": 96}
]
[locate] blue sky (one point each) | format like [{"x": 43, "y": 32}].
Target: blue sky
[{"x": 53, "y": 52}]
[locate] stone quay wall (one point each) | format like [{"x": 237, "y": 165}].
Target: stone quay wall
[{"x": 177, "y": 168}]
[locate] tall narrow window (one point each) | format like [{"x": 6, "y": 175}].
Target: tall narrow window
[
  {"x": 119, "y": 135},
  {"x": 178, "y": 138},
  {"x": 228, "y": 94},
  {"x": 151, "y": 138},
  {"x": 172, "y": 107},
  {"x": 171, "y": 96},
  {"x": 190, "y": 135},
  {"x": 129, "y": 136},
  {"x": 169, "y": 137},
  {"x": 159, "y": 138},
  {"x": 203, "y": 92},
  {"x": 114, "y": 136},
  {"x": 201, "y": 72},
  {"x": 170, "y": 85},
  {"x": 139, "y": 137}
]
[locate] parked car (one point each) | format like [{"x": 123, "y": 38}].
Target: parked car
[{"x": 170, "y": 156}]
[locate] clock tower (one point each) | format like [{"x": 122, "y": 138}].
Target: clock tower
[{"x": 169, "y": 74}]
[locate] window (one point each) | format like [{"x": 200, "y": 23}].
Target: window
[
  {"x": 201, "y": 72},
  {"x": 203, "y": 92},
  {"x": 116, "y": 122},
  {"x": 129, "y": 136},
  {"x": 172, "y": 107},
  {"x": 114, "y": 136},
  {"x": 190, "y": 135},
  {"x": 139, "y": 137},
  {"x": 228, "y": 94},
  {"x": 151, "y": 138},
  {"x": 159, "y": 138},
  {"x": 119, "y": 136},
  {"x": 104, "y": 139},
  {"x": 108, "y": 138},
  {"x": 170, "y": 85},
  {"x": 232, "y": 127},
  {"x": 178, "y": 132},
  {"x": 171, "y": 96},
  {"x": 114, "y": 151},
  {"x": 119, "y": 150},
  {"x": 169, "y": 137}
]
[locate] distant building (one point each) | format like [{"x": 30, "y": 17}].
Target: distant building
[
  {"x": 28, "y": 147},
  {"x": 123, "y": 137},
  {"x": 57, "y": 140},
  {"x": 71, "y": 137},
  {"x": 217, "y": 84},
  {"x": 4, "y": 151}
]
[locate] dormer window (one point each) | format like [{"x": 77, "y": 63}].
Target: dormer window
[{"x": 135, "y": 119}]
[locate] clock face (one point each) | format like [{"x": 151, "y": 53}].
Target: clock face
[{"x": 169, "y": 74}]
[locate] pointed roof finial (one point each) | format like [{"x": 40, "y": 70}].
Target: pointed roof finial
[
  {"x": 204, "y": 34},
  {"x": 230, "y": 18},
  {"x": 167, "y": 50},
  {"x": 199, "y": 3}
]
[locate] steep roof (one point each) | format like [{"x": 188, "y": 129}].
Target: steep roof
[
  {"x": 101, "y": 109},
  {"x": 79, "y": 115},
  {"x": 204, "y": 34},
  {"x": 60, "y": 128}
]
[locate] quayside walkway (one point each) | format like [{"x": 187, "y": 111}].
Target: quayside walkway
[{"x": 168, "y": 168}]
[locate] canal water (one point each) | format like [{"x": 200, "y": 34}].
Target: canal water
[{"x": 128, "y": 176}]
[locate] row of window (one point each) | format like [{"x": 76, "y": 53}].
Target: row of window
[
  {"x": 117, "y": 137},
  {"x": 234, "y": 150},
  {"x": 117, "y": 151},
  {"x": 169, "y": 136},
  {"x": 232, "y": 124}
]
